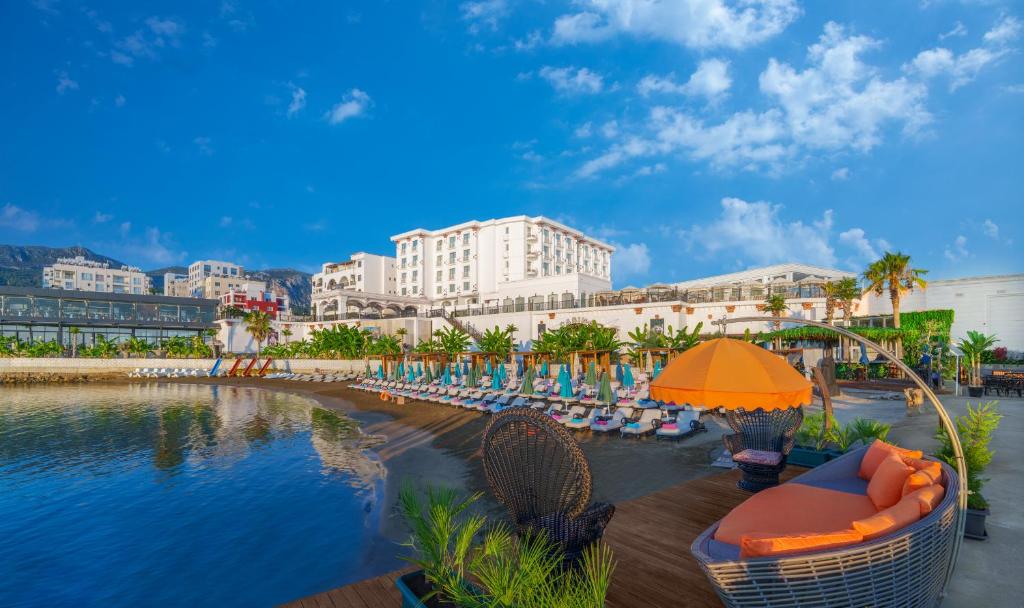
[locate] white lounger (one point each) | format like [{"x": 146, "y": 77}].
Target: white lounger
[
  {"x": 605, "y": 423},
  {"x": 643, "y": 426}
]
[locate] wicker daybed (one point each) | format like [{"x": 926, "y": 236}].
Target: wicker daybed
[{"x": 906, "y": 568}]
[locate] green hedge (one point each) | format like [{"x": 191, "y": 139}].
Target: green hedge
[
  {"x": 914, "y": 321},
  {"x": 876, "y": 334}
]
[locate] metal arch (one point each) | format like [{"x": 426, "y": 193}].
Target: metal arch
[{"x": 947, "y": 422}]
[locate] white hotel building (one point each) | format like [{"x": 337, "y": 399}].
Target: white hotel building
[
  {"x": 512, "y": 263},
  {"x": 80, "y": 274}
]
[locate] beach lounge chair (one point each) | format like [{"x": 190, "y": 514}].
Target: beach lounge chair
[
  {"x": 641, "y": 426},
  {"x": 500, "y": 403},
  {"x": 580, "y": 418},
  {"x": 539, "y": 405},
  {"x": 679, "y": 424},
  {"x": 607, "y": 423},
  {"x": 519, "y": 402},
  {"x": 537, "y": 470}
]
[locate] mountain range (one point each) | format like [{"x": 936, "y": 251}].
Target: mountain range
[{"x": 22, "y": 265}]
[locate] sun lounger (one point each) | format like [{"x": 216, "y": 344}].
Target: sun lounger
[
  {"x": 580, "y": 418},
  {"x": 641, "y": 426},
  {"x": 607, "y": 423},
  {"x": 680, "y": 424}
]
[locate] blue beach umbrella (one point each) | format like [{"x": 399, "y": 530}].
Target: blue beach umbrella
[
  {"x": 627, "y": 377},
  {"x": 401, "y": 368},
  {"x": 502, "y": 373},
  {"x": 419, "y": 369},
  {"x": 465, "y": 368},
  {"x": 564, "y": 382},
  {"x": 487, "y": 368},
  {"x": 411, "y": 376},
  {"x": 618, "y": 372},
  {"x": 446, "y": 379},
  {"x": 544, "y": 368},
  {"x": 864, "y": 357},
  {"x": 495, "y": 382},
  {"x": 458, "y": 371},
  {"x": 380, "y": 371},
  {"x": 428, "y": 375},
  {"x": 657, "y": 369}
]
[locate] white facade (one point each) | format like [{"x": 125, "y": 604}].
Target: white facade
[
  {"x": 485, "y": 262},
  {"x": 176, "y": 285},
  {"x": 214, "y": 287},
  {"x": 363, "y": 272},
  {"x": 201, "y": 270},
  {"x": 80, "y": 274},
  {"x": 991, "y": 305}
]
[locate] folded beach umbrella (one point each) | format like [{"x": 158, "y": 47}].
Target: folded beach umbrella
[
  {"x": 369, "y": 372},
  {"x": 604, "y": 393},
  {"x": 401, "y": 369},
  {"x": 618, "y": 372},
  {"x": 864, "y": 357},
  {"x": 627, "y": 377},
  {"x": 657, "y": 368},
  {"x": 502, "y": 373},
  {"x": 527, "y": 382},
  {"x": 565, "y": 383},
  {"x": 429, "y": 375},
  {"x": 419, "y": 370},
  {"x": 458, "y": 371},
  {"x": 544, "y": 368},
  {"x": 446, "y": 379},
  {"x": 411, "y": 376},
  {"x": 471, "y": 380},
  {"x": 732, "y": 374},
  {"x": 380, "y": 371},
  {"x": 495, "y": 382},
  {"x": 465, "y": 368},
  {"x": 591, "y": 378},
  {"x": 488, "y": 369}
]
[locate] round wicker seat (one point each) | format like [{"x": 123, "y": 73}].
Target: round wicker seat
[{"x": 907, "y": 568}]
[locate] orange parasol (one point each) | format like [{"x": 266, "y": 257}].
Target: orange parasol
[{"x": 732, "y": 374}]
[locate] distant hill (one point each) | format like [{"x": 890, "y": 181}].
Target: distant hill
[{"x": 22, "y": 266}]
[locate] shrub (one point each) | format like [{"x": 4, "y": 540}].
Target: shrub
[{"x": 975, "y": 429}]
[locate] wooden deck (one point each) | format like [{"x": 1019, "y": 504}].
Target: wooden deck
[{"x": 650, "y": 536}]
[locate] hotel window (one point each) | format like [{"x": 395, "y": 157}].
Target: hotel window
[
  {"x": 544, "y": 268},
  {"x": 465, "y": 239},
  {"x": 234, "y": 272},
  {"x": 136, "y": 281},
  {"x": 415, "y": 275},
  {"x": 440, "y": 276},
  {"x": 403, "y": 263},
  {"x": 415, "y": 244},
  {"x": 465, "y": 255},
  {"x": 547, "y": 252},
  {"x": 439, "y": 290},
  {"x": 547, "y": 235},
  {"x": 465, "y": 285},
  {"x": 403, "y": 248},
  {"x": 451, "y": 288},
  {"x": 465, "y": 272},
  {"x": 415, "y": 260},
  {"x": 451, "y": 274},
  {"x": 451, "y": 242},
  {"x": 415, "y": 289},
  {"x": 451, "y": 258},
  {"x": 439, "y": 244},
  {"x": 558, "y": 269},
  {"x": 440, "y": 260},
  {"x": 86, "y": 276},
  {"x": 403, "y": 291},
  {"x": 558, "y": 239},
  {"x": 403, "y": 277},
  {"x": 506, "y": 229}
]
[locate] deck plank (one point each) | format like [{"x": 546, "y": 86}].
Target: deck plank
[{"x": 650, "y": 536}]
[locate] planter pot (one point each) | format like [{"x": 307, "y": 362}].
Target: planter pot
[
  {"x": 810, "y": 457},
  {"x": 975, "y": 391},
  {"x": 412, "y": 586},
  {"x": 974, "y": 526}
]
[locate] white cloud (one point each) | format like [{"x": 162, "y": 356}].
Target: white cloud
[
  {"x": 841, "y": 174},
  {"x": 65, "y": 83},
  {"x": 610, "y": 129},
  {"x": 1006, "y": 29},
  {"x": 755, "y": 233},
  {"x": 958, "y": 30},
  {"x": 532, "y": 41},
  {"x": 837, "y": 103},
  {"x": 532, "y": 156},
  {"x": 125, "y": 229},
  {"x": 698, "y": 24},
  {"x": 120, "y": 100},
  {"x": 298, "y": 101},
  {"x": 633, "y": 260},
  {"x": 153, "y": 246},
  {"x": 585, "y": 130},
  {"x": 484, "y": 13},
  {"x": 143, "y": 44},
  {"x": 711, "y": 80},
  {"x": 958, "y": 250},
  {"x": 16, "y": 218},
  {"x": 857, "y": 239},
  {"x": 203, "y": 143},
  {"x": 352, "y": 105},
  {"x": 101, "y": 218},
  {"x": 1014, "y": 89},
  {"x": 225, "y": 221},
  {"x": 991, "y": 229},
  {"x": 569, "y": 80},
  {"x": 961, "y": 69}
]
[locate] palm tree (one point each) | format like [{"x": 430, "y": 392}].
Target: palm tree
[
  {"x": 775, "y": 306},
  {"x": 846, "y": 292},
  {"x": 972, "y": 347},
  {"x": 497, "y": 341},
  {"x": 287, "y": 333},
  {"x": 257, "y": 324},
  {"x": 893, "y": 273},
  {"x": 74, "y": 331},
  {"x": 831, "y": 292},
  {"x": 401, "y": 332},
  {"x": 452, "y": 341}
]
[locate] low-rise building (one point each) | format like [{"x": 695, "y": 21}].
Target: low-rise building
[
  {"x": 176, "y": 285},
  {"x": 222, "y": 273},
  {"x": 254, "y": 296},
  {"x": 81, "y": 274}
]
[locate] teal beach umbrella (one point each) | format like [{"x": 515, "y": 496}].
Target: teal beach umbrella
[
  {"x": 627, "y": 377},
  {"x": 446, "y": 379},
  {"x": 495, "y": 382},
  {"x": 657, "y": 369},
  {"x": 527, "y": 388},
  {"x": 544, "y": 369},
  {"x": 564, "y": 382}
]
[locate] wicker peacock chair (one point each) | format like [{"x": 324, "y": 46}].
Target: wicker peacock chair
[
  {"x": 768, "y": 434},
  {"x": 538, "y": 471}
]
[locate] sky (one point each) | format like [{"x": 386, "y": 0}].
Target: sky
[{"x": 697, "y": 136}]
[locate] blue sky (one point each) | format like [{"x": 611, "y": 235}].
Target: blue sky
[{"x": 699, "y": 136}]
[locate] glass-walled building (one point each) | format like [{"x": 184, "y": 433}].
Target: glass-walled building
[{"x": 34, "y": 314}]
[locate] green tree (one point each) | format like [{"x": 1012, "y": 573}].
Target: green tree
[
  {"x": 846, "y": 292},
  {"x": 74, "y": 331},
  {"x": 972, "y": 347},
  {"x": 893, "y": 273},
  {"x": 257, "y": 325},
  {"x": 681, "y": 339},
  {"x": 497, "y": 340},
  {"x": 452, "y": 341},
  {"x": 831, "y": 292},
  {"x": 775, "y": 306}
]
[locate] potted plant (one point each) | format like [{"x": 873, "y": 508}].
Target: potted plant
[
  {"x": 811, "y": 446},
  {"x": 973, "y": 347},
  {"x": 497, "y": 569},
  {"x": 975, "y": 429}
]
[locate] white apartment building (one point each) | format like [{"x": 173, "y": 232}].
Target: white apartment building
[
  {"x": 363, "y": 284},
  {"x": 176, "y": 285},
  {"x": 489, "y": 262},
  {"x": 199, "y": 271},
  {"x": 213, "y": 287},
  {"x": 80, "y": 274}
]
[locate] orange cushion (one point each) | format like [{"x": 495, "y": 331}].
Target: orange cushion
[
  {"x": 877, "y": 452},
  {"x": 793, "y": 509},
  {"x": 763, "y": 546},
  {"x": 926, "y": 472},
  {"x": 927, "y": 498},
  {"x": 886, "y": 486},
  {"x": 903, "y": 513}
]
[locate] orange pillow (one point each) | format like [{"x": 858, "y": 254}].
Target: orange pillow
[
  {"x": 902, "y": 514},
  {"x": 927, "y": 498},
  {"x": 764, "y": 546},
  {"x": 877, "y": 452},
  {"x": 926, "y": 472},
  {"x": 886, "y": 486}
]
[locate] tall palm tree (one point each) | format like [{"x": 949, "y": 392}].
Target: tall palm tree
[
  {"x": 401, "y": 332},
  {"x": 893, "y": 273},
  {"x": 74, "y": 331},
  {"x": 775, "y": 306},
  {"x": 287, "y": 333},
  {"x": 257, "y": 324},
  {"x": 846, "y": 292},
  {"x": 972, "y": 347},
  {"x": 831, "y": 292}
]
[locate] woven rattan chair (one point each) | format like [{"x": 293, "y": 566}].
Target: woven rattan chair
[
  {"x": 906, "y": 568},
  {"x": 765, "y": 434},
  {"x": 538, "y": 471}
]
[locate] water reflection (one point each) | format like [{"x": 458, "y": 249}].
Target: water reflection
[{"x": 238, "y": 480}]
